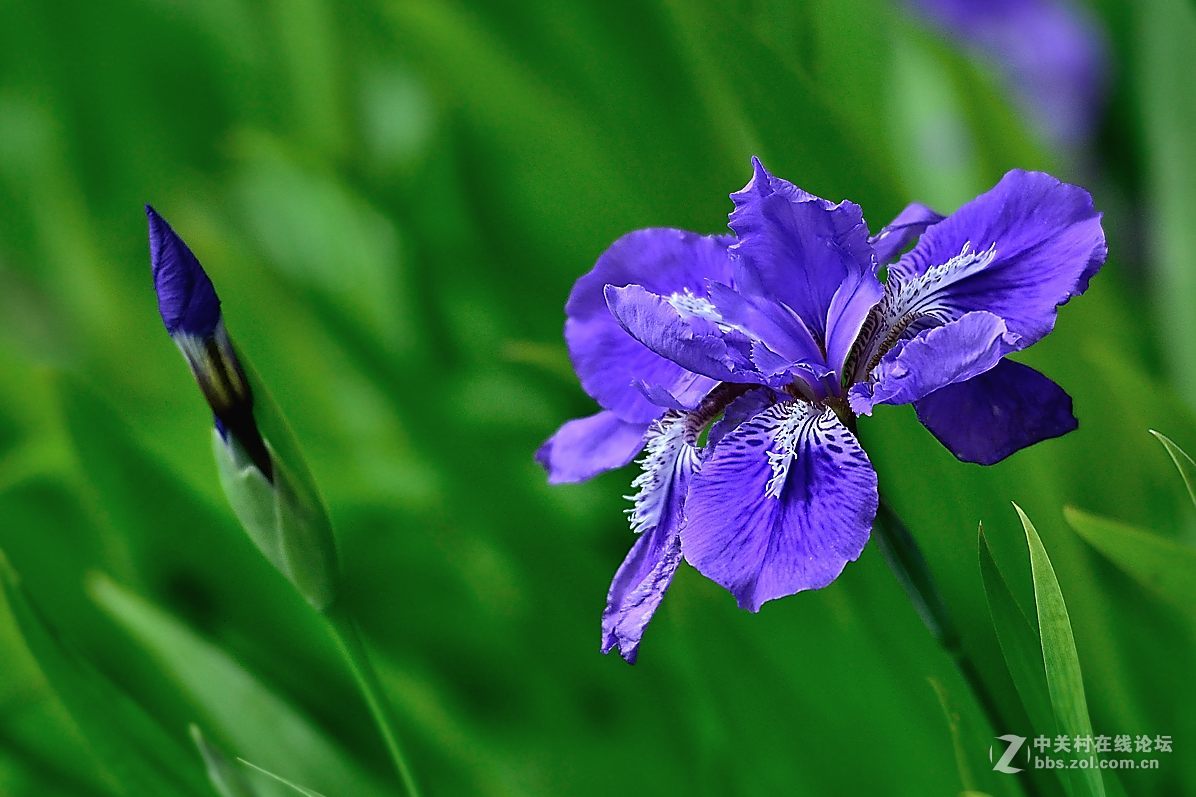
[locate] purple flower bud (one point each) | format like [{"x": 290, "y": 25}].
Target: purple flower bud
[
  {"x": 186, "y": 299},
  {"x": 191, "y": 312}
]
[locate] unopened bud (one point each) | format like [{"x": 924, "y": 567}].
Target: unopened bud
[{"x": 265, "y": 479}]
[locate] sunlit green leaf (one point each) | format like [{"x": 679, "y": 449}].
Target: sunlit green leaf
[{"x": 1062, "y": 664}]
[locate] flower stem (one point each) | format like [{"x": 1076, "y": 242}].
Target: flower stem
[
  {"x": 907, "y": 563},
  {"x": 348, "y": 638}
]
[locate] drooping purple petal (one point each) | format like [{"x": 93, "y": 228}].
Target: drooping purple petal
[
  {"x": 899, "y": 233},
  {"x": 785, "y": 501},
  {"x": 1050, "y": 51},
  {"x": 807, "y": 255},
  {"x": 997, "y": 413},
  {"x": 607, "y": 360},
  {"x": 1018, "y": 251},
  {"x": 657, "y": 516},
  {"x": 638, "y": 588},
  {"x": 584, "y": 447},
  {"x": 187, "y": 301},
  {"x": 934, "y": 359}
]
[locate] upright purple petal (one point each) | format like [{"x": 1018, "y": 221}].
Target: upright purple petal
[
  {"x": 934, "y": 359},
  {"x": 807, "y": 255},
  {"x": 760, "y": 318},
  {"x": 186, "y": 299},
  {"x": 608, "y": 361},
  {"x": 584, "y": 447},
  {"x": 903, "y": 230},
  {"x": 1019, "y": 251},
  {"x": 657, "y": 516},
  {"x": 997, "y": 413},
  {"x": 783, "y": 503}
]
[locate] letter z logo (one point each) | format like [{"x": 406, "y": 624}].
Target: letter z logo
[{"x": 1013, "y": 745}]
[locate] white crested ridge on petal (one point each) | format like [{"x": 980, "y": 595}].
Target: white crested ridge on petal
[
  {"x": 913, "y": 302},
  {"x": 669, "y": 449},
  {"x": 785, "y": 501}
]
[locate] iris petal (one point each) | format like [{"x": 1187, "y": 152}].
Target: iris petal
[
  {"x": 899, "y": 233},
  {"x": 641, "y": 581},
  {"x": 934, "y": 359},
  {"x": 695, "y": 343},
  {"x": 186, "y": 299},
  {"x": 584, "y": 447},
  {"x": 785, "y": 501},
  {"x": 997, "y": 413},
  {"x": 1043, "y": 241},
  {"x": 807, "y": 255},
  {"x": 742, "y": 409},
  {"x": 606, "y": 358}
]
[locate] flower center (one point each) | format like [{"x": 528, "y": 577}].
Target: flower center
[{"x": 913, "y": 303}]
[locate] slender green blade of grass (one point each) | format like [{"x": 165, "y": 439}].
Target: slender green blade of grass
[
  {"x": 1065, "y": 682},
  {"x": 1183, "y": 463},
  {"x": 1160, "y": 565},
  {"x": 293, "y": 786},
  {"x": 227, "y": 780},
  {"x": 1166, "y": 30},
  {"x": 1019, "y": 640},
  {"x": 966, "y": 777}
]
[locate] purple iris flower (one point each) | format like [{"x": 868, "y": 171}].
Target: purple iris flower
[
  {"x": 1051, "y": 53},
  {"x": 740, "y": 363},
  {"x": 190, "y": 310}
]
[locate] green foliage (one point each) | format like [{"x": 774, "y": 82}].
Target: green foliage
[
  {"x": 287, "y": 524},
  {"x": 1065, "y": 682},
  {"x": 394, "y": 199},
  {"x": 291, "y": 787},
  {"x": 227, "y": 779},
  {"x": 1183, "y": 462},
  {"x": 1158, "y": 564},
  {"x": 230, "y": 701}
]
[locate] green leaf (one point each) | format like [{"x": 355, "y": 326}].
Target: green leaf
[
  {"x": 227, "y": 780},
  {"x": 1160, "y": 565},
  {"x": 230, "y": 700},
  {"x": 286, "y": 522},
  {"x": 1019, "y": 641},
  {"x": 137, "y": 753},
  {"x": 1165, "y": 31},
  {"x": 966, "y": 777},
  {"x": 1062, "y": 664},
  {"x": 1183, "y": 463},
  {"x": 282, "y": 780}
]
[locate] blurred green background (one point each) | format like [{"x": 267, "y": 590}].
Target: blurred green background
[{"x": 393, "y": 199}]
